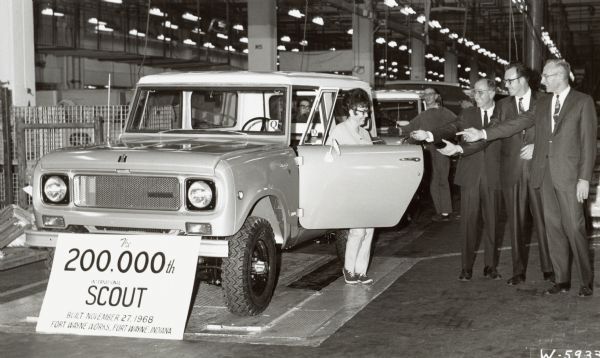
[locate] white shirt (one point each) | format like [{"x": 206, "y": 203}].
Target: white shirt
[
  {"x": 526, "y": 100},
  {"x": 561, "y": 97},
  {"x": 489, "y": 113},
  {"x": 343, "y": 133}
]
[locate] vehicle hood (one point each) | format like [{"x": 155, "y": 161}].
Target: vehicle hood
[{"x": 168, "y": 156}]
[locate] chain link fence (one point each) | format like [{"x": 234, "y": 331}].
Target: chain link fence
[{"x": 36, "y": 131}]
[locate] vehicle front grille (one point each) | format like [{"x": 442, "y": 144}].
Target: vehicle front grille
[
  {"x": 132, "y": 229},
  {"x": 126, "y": 192}
]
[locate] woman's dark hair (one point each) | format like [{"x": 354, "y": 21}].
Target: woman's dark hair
[{"x": 354, "y": 98}]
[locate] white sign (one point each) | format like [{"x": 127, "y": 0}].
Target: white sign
[{"x": 120, "y": 285}]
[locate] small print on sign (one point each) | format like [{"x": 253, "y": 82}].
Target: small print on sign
[{"x": 120, "y": 285}]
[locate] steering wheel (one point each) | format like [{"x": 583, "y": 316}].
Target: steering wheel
[{"x": 263, "y": 124}]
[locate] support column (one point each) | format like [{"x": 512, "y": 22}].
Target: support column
[
  {"x": 474, "y": 74},
  {"x": 17, "y": 66},
  {"x": 534, "y": 57},
  {"x": 262, "y": 35},
  {"x": 450, "y": 67},
  {"x": 417, "y": 60},
  {"x": 362, "y": 45}
]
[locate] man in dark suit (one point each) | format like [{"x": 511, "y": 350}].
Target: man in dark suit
[
  {"x": 563, "y": 162},
  {"x": 515, "y": 166},
  {"x": 477, "y": 174}
]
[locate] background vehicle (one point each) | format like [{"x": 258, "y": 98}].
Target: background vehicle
[
  {"x": 452, "y": 94},
  {"x": 218, "y": 154},
  {"x": 395, "y": 105}
]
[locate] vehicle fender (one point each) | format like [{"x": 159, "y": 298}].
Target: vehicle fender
[{"x": 270, "y": 208}]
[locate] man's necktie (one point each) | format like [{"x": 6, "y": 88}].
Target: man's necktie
[
  {"x": 556, "y": 111},
  {"x": 485, "y": 119},
  {"x": 521, "y": 108}
]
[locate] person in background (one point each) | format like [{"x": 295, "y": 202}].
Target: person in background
[
  {"x": 563, "y": 162},
  {"x": 303, "y": 111},
  {"x": 350, "y": 132},
  {"x": 435, "y": 116},
  {"x": 515, "y": 166}
]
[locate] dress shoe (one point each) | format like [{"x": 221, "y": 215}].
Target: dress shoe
[
  {"x": 440, "y": 218},
  {"x": 491, "y": 272},
  {"x": 585, "y": 291},
  {"x": 549, "y": 276},
  {"x": 558, "y": 288},
  {"x": 516, "y": 279},
  {"x": 465, "y": 275}
]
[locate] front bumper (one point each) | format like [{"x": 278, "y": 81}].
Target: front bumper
[{"x": 208, "y": 247}]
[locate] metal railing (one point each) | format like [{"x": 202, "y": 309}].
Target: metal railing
[{"x": 37, "y": 131}]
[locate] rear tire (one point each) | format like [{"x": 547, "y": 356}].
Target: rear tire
[{"x": 249, "y": 273}]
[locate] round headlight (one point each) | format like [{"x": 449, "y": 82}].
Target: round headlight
[
  {"x": 199, "y": 194},
  {"x": 55, "y": 189}
]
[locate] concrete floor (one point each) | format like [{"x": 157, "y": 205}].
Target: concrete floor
[{"x": 425, "y": 312}]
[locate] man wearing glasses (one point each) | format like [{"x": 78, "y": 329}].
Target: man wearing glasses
[
  {"x": 303, "y": 111},
  {"x": 435, "y": 116},
  {"x": 477, "y": 174},
  {"x": 562, "y": 165},
  {"x": 515, "y": 166}
]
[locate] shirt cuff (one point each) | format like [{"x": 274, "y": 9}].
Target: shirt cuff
[
  {"x": 484, "y": 134},
  {"x": 429, "y": 138},
  {"x": 460, "y": 149}
]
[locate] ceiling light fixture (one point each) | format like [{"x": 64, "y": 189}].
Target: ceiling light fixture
[
  {"x": 296, "y": 13},
  {"x": 156, "y": 12},
  {"x": 119, "y": 2},
  {"x": 190, "y": 17},
  {"x": 238, "y": 27},
  {"x": 318, "y": 20},
  {"x": 390, "y": 3},
  {"x": 407, "y": 10},
  {"x": 244, "y": 40}
]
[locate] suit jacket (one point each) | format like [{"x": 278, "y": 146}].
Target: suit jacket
[
  {"x": 478, "y": 159},
  {"x": 511, "y": 164},
  {"x": 569, "y": 150}
]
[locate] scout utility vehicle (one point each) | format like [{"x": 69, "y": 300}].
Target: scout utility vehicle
[{"x": 228, "y": 157}]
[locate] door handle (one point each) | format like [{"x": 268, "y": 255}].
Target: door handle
[{"x": 414, "y": 159}]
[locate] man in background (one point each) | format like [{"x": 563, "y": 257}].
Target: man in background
[{"x": 435, "y": 116}]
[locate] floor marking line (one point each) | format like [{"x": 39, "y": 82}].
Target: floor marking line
[{"x": 23, "y": 288}]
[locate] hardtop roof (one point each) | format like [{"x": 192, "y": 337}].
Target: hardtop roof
[{"x": 254, "y": 78}]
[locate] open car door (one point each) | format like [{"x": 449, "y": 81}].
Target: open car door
[{"x": 354, "y": 186}]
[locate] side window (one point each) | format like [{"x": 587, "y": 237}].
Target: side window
[
  {"x": 340, "y": 114},
  {"x": 321, "y": 113}
]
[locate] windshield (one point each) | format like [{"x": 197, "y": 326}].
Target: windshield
[
  {"x": 388, "y": 112},
  {"x": 235, "y": 110}
]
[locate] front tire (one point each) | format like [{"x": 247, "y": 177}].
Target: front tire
[{"x": 249, "y": 273}]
